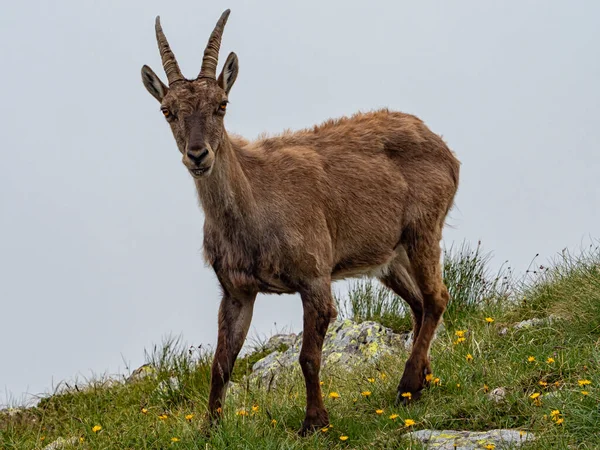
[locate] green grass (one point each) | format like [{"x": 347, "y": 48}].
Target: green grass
[{"x": 569, "y": 291}]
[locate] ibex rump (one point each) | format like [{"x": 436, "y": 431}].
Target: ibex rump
[{"x": 366, "y": 195}]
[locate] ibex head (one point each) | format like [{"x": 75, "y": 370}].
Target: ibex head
[{"x": 194, "y": 108}]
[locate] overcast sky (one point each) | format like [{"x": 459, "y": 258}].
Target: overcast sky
[{"x": 100, "y": 232}]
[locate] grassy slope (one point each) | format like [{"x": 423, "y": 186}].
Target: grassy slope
[{"x": 459, "y": 401}]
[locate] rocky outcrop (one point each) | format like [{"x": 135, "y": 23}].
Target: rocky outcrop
[{"x": 347, "y": 344}]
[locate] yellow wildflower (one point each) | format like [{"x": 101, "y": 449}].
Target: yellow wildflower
[
  {"x": 584, "y": 382},
  {"x": 486, "y": 388},
  {"x": 325, "y": 430},
  {"x": 189, "y": 416},
  {"x": 436, "y": 380},
  {"x": 81, "y": 439},
  {"x": 531, "y": 359},
  {"x": 343, "y": 438},
  {"x": 534, "y": 395},
  {"x": 219, "y": 410},
  {"x": 457, "y": 385},
  {"x": 96, "y": 428},
  {"x": 429, "y": 377},
  {"x": 559, "y": 421},
  {"x": 490, "y": 447},
  {"x": 543, "y": 383},
  {"x": 459, "y": 340},
  {"x": 365, "y": 393},
  {"x": 460, "y": 333},
  {"x": 555, "y": 413},
  {"x": 334, "y": 395},
  {"x": 42, "y": 438},
  {"x": 469, "y": 357},
  {"x": 371, "y": 380},
  {"x": 255, "y": 408},
  {"x": 407, "y": 395},
  {"x": 585, "y": 393},
  {"x": 144, "y": 411},
  {"x": 273, "y": 422},
  {"x": 174, "y": 439},
  {"x": 383, "y": 376},
  {"x": 550, "y": 360},
  {"x": 321, "y": 383},
  {"x": 162, "y": 417},
  {"x": 409, "y": 422},
  {"x": 489, "y": 319},
  {"x": 394, "y": 416},
  {"x": 379, "y": 411},
  {"x": 242, "y": 412}
]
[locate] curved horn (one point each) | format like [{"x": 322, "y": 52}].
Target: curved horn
[
  {"x": 168, "y": 58},
  {"x": 211, "y": 53}
]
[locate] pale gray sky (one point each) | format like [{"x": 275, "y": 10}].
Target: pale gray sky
[{"x": 100, "y": 233}]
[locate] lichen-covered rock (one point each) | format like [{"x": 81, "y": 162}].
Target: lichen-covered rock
[
  {"x": 468, "y": 440},
  {"x": 278, "y": 341},
  {"x": 497, "y": 395},
  {"x": 62, "y": 443},
  {"x": 11, "y": 412},
  {"x": 535, "y": 322},
  {"x": 168, "y": 388},
  {"x": 346, "y": 344},
  {"x": 147, "y": 370}
]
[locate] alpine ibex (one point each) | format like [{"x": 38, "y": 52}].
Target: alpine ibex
[{"x": 365, "y": 195}]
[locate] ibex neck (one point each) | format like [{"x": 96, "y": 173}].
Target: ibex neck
[{"x": 226, "y": 192}]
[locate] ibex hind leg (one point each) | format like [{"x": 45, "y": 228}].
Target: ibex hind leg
[
  {"x": 400, "y": 278},
  {"x": 424, "y": 254}
]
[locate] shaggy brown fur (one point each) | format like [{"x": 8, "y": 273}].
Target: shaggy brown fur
[{"x": 365, "y": 195}]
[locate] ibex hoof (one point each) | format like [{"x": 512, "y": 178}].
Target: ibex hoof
[{"x": 313, "y": 422}]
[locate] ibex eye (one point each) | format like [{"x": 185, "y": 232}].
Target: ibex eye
[
  {"x": 223, "y": 106},
  {"x": 165, "y": 112}
]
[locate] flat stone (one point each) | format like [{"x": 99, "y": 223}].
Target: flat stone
[
  {"x": 62, "y": 443},
  {"x": 470, "y": 440}
]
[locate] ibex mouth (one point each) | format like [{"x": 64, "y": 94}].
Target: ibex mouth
[{"x": 197, "y": 173}]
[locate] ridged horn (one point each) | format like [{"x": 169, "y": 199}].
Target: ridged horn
[
  {"x": 168, "y": 58},
  {"x": 211, "y": 53}
]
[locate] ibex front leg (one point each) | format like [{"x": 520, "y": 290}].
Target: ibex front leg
[
  {"x": 235, "y": 315},
  {"x": 319, "y": 310}
]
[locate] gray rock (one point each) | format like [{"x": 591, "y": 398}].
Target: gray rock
[
  {"x": 167, "y": 386},
  {"x": 347, "y": 344},
  {"x": 535, "y": 322},
  {"x": 276, "y": 341},
  {"x": 497, "y": 395},
  {"x": 147, "y": 370},
  {"x": 11, "y": 412},
  {"x": 61, "y": 443},
  {"x": 468, "y": 440}
]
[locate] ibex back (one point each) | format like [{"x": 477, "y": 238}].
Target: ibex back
[{"x": 365, "y": 195}]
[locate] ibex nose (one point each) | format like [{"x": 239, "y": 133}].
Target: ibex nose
[{"x": 197, "y": 153}]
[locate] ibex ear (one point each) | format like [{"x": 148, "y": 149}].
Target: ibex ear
[
  {"x": 229, "y": 72},
  {"x": 156, "y": 87}
]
